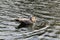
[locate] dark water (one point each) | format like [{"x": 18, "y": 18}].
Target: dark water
[{"x": 47, "y": 10}]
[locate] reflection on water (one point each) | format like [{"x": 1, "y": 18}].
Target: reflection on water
[{"x": 45, "y": 11}]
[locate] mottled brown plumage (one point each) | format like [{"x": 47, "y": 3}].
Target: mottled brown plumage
[{"x": 25, "y": 22}]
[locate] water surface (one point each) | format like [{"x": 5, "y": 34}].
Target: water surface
[{"x": 47, "y": 10}]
